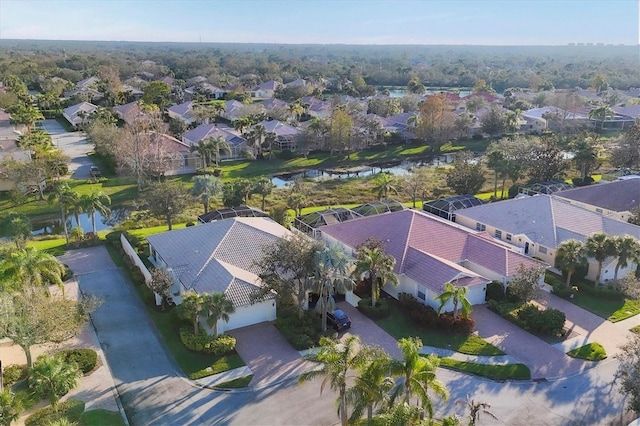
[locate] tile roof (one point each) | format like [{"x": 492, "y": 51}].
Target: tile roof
[
  {"x": 547, "y": 220},
  {"x": 430, "y": 249},
  {"x": 618, "y": 196},
  {"x": 219, "y": 256},
  {"x": 267, "y": 85},
  {"x": 279, "y": 128},
  {"x": 205, "y": 131},
  {"x": 182, "y": 108}
]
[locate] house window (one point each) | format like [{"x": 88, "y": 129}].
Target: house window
[
  {"x": 498, "y": 234},
  {"x": 421, "y": 294},
  {"x": 542, "y": 250},
  {"x": 480, "y": 226},
  {"x": 508, "y": 237}
]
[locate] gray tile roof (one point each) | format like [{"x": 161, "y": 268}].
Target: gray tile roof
[
  {"x": 218, "y": 257},
  {"x": 617, "y": 196},
  {"x": 547, "y": 220}
]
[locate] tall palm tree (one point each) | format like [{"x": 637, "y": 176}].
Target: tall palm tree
[
  {"x": 32, "y": 267},
  {"x": 256, "y": 137},
  {"x": 218, "y": 307},
  {"x": 263, "y": 187},
  {"x": 626, "y": 248},
  {"x": 296, "y": 109},
  {"x": 204, "y": 188},
  {"x": 205, "y": 149},
  {"x": 336, "y": 359},
  {"x": 383, "y": 184},
  {"x": 599, "y": 246},
  {"x": 371, "y": 386},
  {"x": 63, "y": 196},
  {"x": 192, "y": 306},
  {"x": 373, "y": 262},
  {"x": 601, "y": 113},
  {"x": 94, "y": 202},
  {"x": 331, "y": 275},
  {"x": 458, "y": 296},
  {"x": 219, "y": 146},
  {"x": 417, "y": 375},
  {"x": 53, "y": 377},
  {"x": 569, "y": 256}
]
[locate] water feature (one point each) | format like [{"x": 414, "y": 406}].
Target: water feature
[
  {"x": 400, "y": 92},
  {"x": 53, "y": 225}
]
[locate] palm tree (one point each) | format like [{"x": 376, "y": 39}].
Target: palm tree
[
  {"x": 94, "y": 202},
  {"x": 417, "y": 375},
  {"x": 569, "y": 256},
  {"x": 219, "y": 146},
  {"x": 475, "y": 409},
  {"x": 336, "y": 359},
  {"x": 599, "y": 246},
  {"x": 263, "y": 187},
  {"x": 601, "y": 113},
  {"x": 53, "y": 377},
  {"x": 256, "y": 137},
  {"x": 627, "y": 248},
  {"x": 30, "y": 266},
  {"x": 218, "y": 307},
  {"x": 10, "y": 407},
  {"x": 296, "y": 109},
  {"x": 192, "y": 306},
  {"x": 371, "y": 386},
  {"x": 458, "y": 296},
  {"x": 331, "y": 275},
  {"x": 384, "y": 183},
  {"x": 205, "y": 149},
  {"x": 204, "y": 188},
  {"x": 373, "y": 262},
  {"x": 63, "y": 196}
]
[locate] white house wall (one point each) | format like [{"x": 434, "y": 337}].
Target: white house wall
[{"x": 249, "y": 315}]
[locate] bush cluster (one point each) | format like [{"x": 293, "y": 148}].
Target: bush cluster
[
  {"x": 381, "y": 309},
  {"x": 206, "y": 343},
  {"x": 495, "y": 291},
  {"x": 301, "y": 333},
  {"x": 549, "y": 322},
  {"x": 86, "y": 359},
  {"x": 13, "y": 373},
  {"x": 425, "y": 316},
  {"x": 71, "y": 410},
  {"x": 562, "y": 290}
]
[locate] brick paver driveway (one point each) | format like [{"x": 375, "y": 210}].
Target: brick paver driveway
[
  {"x": 269, "y": 356},
  {"x": 368, "y": 331}
]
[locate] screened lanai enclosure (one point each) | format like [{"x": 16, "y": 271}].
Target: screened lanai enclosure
[
  {"x": 548, "y": 187},
  {"x": 239, "y": 211},
  {"x": 447, "y": 207},
  {"x": 310, "y": 223}
]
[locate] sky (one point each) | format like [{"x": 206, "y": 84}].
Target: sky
[{"x": 454, "y": 22}]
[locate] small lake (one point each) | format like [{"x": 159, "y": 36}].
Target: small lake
[
  {"x": 398, "y": 93},
  {"x": 53, "y": 225}
]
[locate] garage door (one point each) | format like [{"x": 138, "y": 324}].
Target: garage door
[{"x": 249, "y": 315}]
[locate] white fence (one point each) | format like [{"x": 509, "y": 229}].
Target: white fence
[{"x": 130, "y": 251}]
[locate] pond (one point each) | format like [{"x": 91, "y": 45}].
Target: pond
[
  {"x": 398, "y": 93},
  {"x": 53, "y": 225}
]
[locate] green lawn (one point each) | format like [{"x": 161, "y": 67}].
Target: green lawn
[
  {"x": 493, "y": 372},
  {"x": 590, "y": 352},
  {"x": 100, "y": 417},
  {"x": 612, "y": 310},
  {"x": 242, "y": 382},
  {"x": 399, "y": 325},
  {"x": 635, "y": 329}
]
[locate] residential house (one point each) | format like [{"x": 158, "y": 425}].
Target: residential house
[
  {"x": 132, "y": 92},
  {"x": 265, "y": 90},
  {"x": 297, "y": 82},
  {"x": 182, "y": 112},
  {"x": 78, "y": 114},
  {"x": 86, "y": 88},
  {"x": 431, "y": 252},
  {"x": 127, "y": 112},
  {"x": 237, "y": 143},
  {"x": 538, "y": 224},
  {"x": 235, "y": 110},
  {"x": 286, "y": 136},
  {"x": 615, "y": 199},
  {"x": 219, "y": 257},
  {"x": 208, "y": 90},
  {"x": 168, "y": 156}
]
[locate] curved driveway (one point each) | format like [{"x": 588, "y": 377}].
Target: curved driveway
[{"x": 153, "y": 392}]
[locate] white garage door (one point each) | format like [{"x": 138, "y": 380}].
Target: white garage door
[{"x": 249, "y": 315}]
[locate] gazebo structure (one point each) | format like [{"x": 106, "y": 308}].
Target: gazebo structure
[
  {"x": 548, "y": 187},
  {"x": 446, "y": 207},
  {"x": 239, "y": 211}
]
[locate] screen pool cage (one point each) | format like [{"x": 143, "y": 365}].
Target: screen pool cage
[
  {"x": 239, "y": 211},
  {"x": 446, "y": 207}
]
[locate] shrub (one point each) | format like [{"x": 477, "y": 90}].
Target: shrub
[
  {"x": 495, "y": 291},
  {"x": 562, "y": 291},
  {"x": 206, "y": 343},
  {"x": 549, "y": 322},
  {"x": 381, "y": 309},
  {"x": 190, "y": 224},
  {"x": 86, "y": 359},
  {"x": 67, "y": 274},
  {"x": 113, "y": 238},
  {"x": 71, "y": 409},
  {"x": 421, "y": 314},
  {"x": 477, "y": 137},
  {"x": 14, "y": 373},
  {"x": 301, "y": 333},
  {"x": 285, "y": 154}
]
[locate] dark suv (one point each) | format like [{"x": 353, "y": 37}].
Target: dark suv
[
  {"x": 95, "y": 172},
  {"x": 338, "y": 320}
]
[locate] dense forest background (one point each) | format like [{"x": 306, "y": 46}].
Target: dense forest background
[{"x": 502, "y": 67}]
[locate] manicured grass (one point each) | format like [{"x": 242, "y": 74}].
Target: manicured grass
[
  {"x": 590, "y": 352},
  {"x": 55, "y": 246},
  {"x": 399, "y": 325},
  {"x": 635, "y": 329},
  {"x": 242, "y": 382},
  {"x": 612, "y": 310},
  {"x": 493, "y": 372},
  {"x": 100, "y": 417},
  {"x": 145, "y": 232}
]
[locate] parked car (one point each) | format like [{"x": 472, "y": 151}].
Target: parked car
[
  {"x": 95, "y": 172},
  {"x": 338, "y": 320}
]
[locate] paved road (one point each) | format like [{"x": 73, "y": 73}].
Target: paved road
[
  {"x": 154, "y": 392},
  {"x": 73, "y": 144}
]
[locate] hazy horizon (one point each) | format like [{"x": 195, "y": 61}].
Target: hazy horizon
[{"x": 330, "y": 22}]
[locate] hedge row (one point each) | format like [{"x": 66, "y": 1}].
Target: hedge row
[
  {"x": 13, "y": 373},
  {"x": 425, "y": 316},
  {"x": 206, "y": 343},
  {"x": 71, "y": 409},
  {"x": 86, "y": 359},
  {"x": 302, "y": 333},
  {"x": 549, "y": 322},
  {"x": 381, "y": 309}
]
